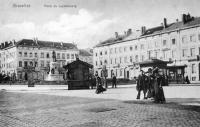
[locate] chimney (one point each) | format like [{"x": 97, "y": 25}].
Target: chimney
[
  {"x": 6, "y": 44},
  {"x": 165, "y": 23},
  {"x": 129, "y": 32},
  {"x": 143, "y": 29},
  {"x": 184, "y": 18},
  {"x": 116, "y": 34},
  {"x": 2, "y": 45}
]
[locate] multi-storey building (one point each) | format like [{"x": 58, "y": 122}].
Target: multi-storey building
[
  {"x": 16, "y": 56},
  {"x": 178, "y": 42}
]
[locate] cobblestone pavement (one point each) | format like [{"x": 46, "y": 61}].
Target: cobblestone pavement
[{"x": 41, "y": 110}]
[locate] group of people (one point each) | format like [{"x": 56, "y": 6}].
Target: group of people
[{"x": 151, "y": 83}]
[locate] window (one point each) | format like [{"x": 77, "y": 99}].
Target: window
[
  {"x": 173, "y": 53},
  {"x": 48, "y": 63},
  {"x": 142, "y": 46},
  {"x": 131, "y": 59},
  {"x": 25, "y": 63},
  {"x": 131, "y": 48},
  {"x": 96, "y": 54},
  {"x": 42, "y": 63},
  {"x": 184, "y": 39},
  {"x": 110, "y": 61},
  {"x": 184, "y": 52},
  {"x": 164, "y": 42},
  {"x": 192, "y": 51},
  {"x": 124, "y": 49},
  {"x": 142, "y": 58},
  {"x": 136, "y": 47},
  {"x": 35, "y": 54},
  {"x": 25, "y": 54},
  {"x": 42, "y": 55},
  {"x": 125, "y": 59},
  {"x": 111, "y": 51},
  {"x": 173, "y": 41},
  {"x": 156, "y": 43},
  {"x": 105, "y": 61},
  {"x": 20, "y": 63},
  {"x": 58, "y": 55},
  {"x": 121, "y": 72},
  {"x": 31, "y": 63},
  {"x": 96, "y": 63},
  {"x": 36, "y": 64},
  {"x": 136, "y": 58},
  {"x": 199, "y": 37},
  {"x": 120, "y": 60},
  {"x": 72, "y": 56},
  {"x": 63, "y": 56},
  {"x": 193, "y": 68},
  {"x": 20, "y": 54},
  {"x": 101, "y": 53},
  {"x": 156, "y": 54},
  {"x": 31, "y": 54},
  {"x": 47, "y": 55},
  {"x": 101, "y": 63},
  {"x": 68, "y": 56},
  {"x": 105, "y": 52},
  {"x": 120, "y": 49},
  {"x": 192, "y": 38}
]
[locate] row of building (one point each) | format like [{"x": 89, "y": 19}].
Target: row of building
[
  {"x": 177, "y": 42},
  {"x": 15, "y": 57}
]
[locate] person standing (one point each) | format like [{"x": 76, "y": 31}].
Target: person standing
[
  {"x": 114, "y": 81},
  {"x": 158, "y": 90},
  {"x": 140, "y": 84}
]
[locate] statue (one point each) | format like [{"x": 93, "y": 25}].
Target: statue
[{"x": 54, "y": 56}]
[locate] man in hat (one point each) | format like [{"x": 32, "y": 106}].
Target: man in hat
[{"x": 141, "y": 85}]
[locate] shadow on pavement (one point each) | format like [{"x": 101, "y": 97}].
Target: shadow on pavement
[{"x": 191, "y": 104}]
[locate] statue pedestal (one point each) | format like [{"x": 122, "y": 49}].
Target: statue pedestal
[
  {"x": 54, "y": 77},
  {"x": 54, "y": 74}
]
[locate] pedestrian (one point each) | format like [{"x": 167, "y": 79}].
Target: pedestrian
[
  {"x": 159, "y": 96},
  {"x": 141, "y": 84},
  {"x": 187, "y": 80},
  {"x": 114, "y": 81},
  {"x": 99, "y": 88}
]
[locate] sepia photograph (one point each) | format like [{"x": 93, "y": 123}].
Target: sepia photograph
[{"x": 99, "y": 63}]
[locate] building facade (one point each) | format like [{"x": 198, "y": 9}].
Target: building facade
[
  {"x": 178, "y": 42},
  {"x": 15, "y": 57}
]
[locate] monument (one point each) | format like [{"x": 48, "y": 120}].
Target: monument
[{"x": 54, "y": 73}]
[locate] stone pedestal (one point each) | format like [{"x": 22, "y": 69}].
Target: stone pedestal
[{"x": 54, "y": 74}]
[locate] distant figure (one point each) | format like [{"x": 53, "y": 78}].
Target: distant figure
[
  {"x": 54, "y": 56},
  {"x": 187, "y": 80},
  {"x": 114, "y": 81}
]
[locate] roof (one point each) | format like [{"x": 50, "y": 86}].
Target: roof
[
  {"x": 74, "y": 63},
  {"x": 153, "y": 62},
  {"x": 83, "y": 52},
  {"x": 44, "y": 44},
  {"x": 149, "y": 32},
  {"x": 112, "y": 40},
  {"x": 172, "y": 26}
]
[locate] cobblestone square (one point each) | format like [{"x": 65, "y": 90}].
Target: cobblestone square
[{"x": 33, "y": 109}]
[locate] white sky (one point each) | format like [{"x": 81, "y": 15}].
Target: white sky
[{"x": 90, "y": 22}]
